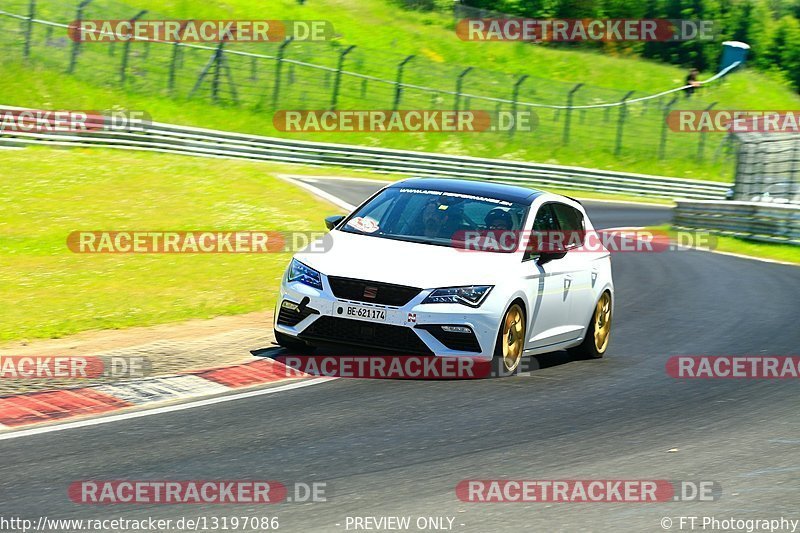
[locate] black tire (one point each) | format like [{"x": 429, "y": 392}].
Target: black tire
[
  {"x": 589, "y": 348},
  {"x": 293, "y": 344},
  {"x": 500, "y": 365}
]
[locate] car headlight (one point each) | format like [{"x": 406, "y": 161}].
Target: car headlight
[
  {"x": 473, "y": 296},
  {"x": 304, "y": 274}
]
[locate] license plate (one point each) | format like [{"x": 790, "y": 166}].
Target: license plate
[{"x": 362, "y": 312}]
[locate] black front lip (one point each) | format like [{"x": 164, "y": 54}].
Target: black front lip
[
  {"x": 325, "y": 340},
  {"x": 345, "y": 331}
]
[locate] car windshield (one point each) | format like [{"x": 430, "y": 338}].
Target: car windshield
[{"x": 433, "y": 217}]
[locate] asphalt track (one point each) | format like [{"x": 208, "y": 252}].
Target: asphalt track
[{"x": 398, "y": 448}]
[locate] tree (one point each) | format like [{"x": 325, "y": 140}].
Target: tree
[{"x": 789, "y": 30}]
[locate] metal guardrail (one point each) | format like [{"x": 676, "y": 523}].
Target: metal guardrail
[
  {"x": 214, "y": 143},
  {"x": 762, "y": 221}
]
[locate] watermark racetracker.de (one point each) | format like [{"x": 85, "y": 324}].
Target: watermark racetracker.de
[
  {"x": 194, "y": 31},
  {"x": 582, "y": 241},
  {"x": 197, "y": 242},
  {"x": 72, "y": 121},
  {"x": 403, "y": 121},
  {"x": 733, "y": 367},
  {"x": 733, "y": 121},
  {"x": 73, "y": 367},
  {"x": 576, "y": 30},
  {"x": 203, "y": 492},
  {"x": 586, "y": 491}
]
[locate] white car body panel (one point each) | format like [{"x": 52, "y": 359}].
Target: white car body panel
[{"x": 558, "y": 297}]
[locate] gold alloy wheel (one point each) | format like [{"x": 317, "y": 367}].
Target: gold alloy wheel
[
  {"x": 513, "y": 338},
  {"x": 602, "y": 322}
]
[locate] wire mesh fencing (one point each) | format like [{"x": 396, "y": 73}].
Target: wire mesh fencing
[
  {"x": 267, "y": 77},
  {"x": 768, "y": 167}
]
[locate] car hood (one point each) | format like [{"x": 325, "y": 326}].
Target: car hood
[{"x": 405, "y": 263}]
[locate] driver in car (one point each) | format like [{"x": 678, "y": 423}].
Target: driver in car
[
  {"x": 498, "y": 222},
  {"x": 437, "y": 218},
  {"x": 498, "y": 219}
]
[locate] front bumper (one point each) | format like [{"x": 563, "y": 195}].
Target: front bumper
[{"x": 411, "y": 328}]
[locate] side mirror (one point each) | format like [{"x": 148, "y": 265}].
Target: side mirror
[
  {"x": 333, "y": 221},
  {"x": 550, "y": 247},
  {"x": 546, "y": 257}
]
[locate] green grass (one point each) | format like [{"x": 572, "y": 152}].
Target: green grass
[
  {"x": 779, "y": 252},
  {"x": 722, "y": 243},
  {"x": 49, "y": 291},
  {"x": 384, "y": 35}
]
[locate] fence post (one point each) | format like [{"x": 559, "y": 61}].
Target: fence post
[
  {"x": 126, "y": 49},
  {"x": 459, "y": 82},
  {"x": 223, "y": 63},
  {"x": 568, "y": 111},
  {"x": 173, "y": 65},
  {"x": 663, "y": 144},
  {"x": 761, "y": 174},
  {"x": 702, "y": 141},
  {"x": 217, "y": 70},
  {"x": 76, "y": 43},
  {"x": 29, "y": 28},
  {"x": 623, "y": 112},
  {"x": 175, "y": 53},
  {"x": 219, "y": 62},
  {"x": 203, "y": 73},
  {"x": 398, "y": 88},
  {"x": 794, "y": 192},
  {"x": 278, "y": 66},
  {"x": 514, "y": 96},
  {"x": 338, "y": 80}
]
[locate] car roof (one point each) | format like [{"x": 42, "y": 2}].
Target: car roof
[{"x": 498, "y": 191}]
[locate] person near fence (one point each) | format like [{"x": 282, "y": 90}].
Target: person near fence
[{"x": 691, "y": 82}]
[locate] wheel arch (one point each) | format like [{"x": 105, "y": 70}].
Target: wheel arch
[{"x": 517, "y": 298}]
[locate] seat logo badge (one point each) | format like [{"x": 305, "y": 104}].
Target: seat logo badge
[{"x": 370, "y": 292}]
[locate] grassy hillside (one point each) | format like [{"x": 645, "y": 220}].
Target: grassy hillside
[{"x": 384, "y": 35}]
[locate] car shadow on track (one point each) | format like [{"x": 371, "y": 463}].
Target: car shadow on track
[
  {"x": 310, "y": 363},
  {"x": 535, "y": 363}
]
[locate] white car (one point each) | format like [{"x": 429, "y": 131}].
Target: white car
[{"x": 400, "y": 274}]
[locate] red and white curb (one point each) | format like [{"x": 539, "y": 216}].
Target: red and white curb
[{"x": 48, "y": 406}]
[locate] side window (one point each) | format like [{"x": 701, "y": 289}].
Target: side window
[
  {"x": 571, "y": 223},
  {"x": 569, "y": 218},
  {"x": 545, "y": 221}
]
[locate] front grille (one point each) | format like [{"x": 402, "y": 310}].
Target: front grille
[
  {"x": 464, "y": 342},
  {"x": 292, "y": 317},
  {"x": 382, "y": 293},
  {"x": 384, "y": 336}
]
